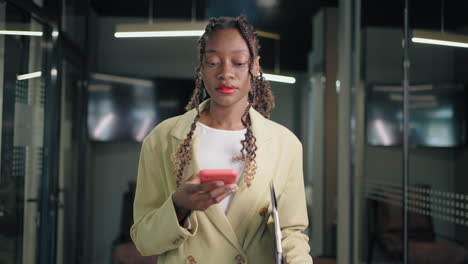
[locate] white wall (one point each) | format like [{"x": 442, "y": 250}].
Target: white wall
[
  {"x": 114, "y": 165},
  {"x": 289, "y": 104}
]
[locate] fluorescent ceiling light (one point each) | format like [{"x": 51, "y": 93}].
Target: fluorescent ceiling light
[
  {"x": 21, "y": 33},
  {"x": 121, "y": 79},
  {"x": 171, "y": 29},
  {"x": 152, "y": 34},
  {"x": 413, "y": 98},
  {"x": 399, "y": 88},
  {"x": 440, "y": 42},
  {"x": 279, "y": 78},
  {"x": 440, "y": 38},
  {"x": 29, "y": 76}
]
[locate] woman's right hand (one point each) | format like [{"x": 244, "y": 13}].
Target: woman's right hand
[{"x": 193, "y": 195}]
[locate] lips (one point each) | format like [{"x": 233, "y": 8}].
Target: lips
[{"x": 226, "y": 89}]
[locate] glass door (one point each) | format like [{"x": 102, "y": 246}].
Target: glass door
[
  {"x": 25, "y": 148},
  {"x": 70, "y": 217},
  {"x": 379, "y": 90},
  {"x": 438, "y": 149}
]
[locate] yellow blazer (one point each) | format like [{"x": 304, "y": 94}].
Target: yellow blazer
[{"x": 245, "y": 233}]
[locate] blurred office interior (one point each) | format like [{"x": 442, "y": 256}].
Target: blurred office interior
[{"x": 375, "y": 90}]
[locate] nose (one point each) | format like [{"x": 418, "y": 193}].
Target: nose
[{"x": 225, "y": 72}]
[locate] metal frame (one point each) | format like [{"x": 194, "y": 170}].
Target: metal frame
[
  {"x": 406, "y": 83},
  {"x": 346, "y": 148},
  {"x": 48, "y": 201}
]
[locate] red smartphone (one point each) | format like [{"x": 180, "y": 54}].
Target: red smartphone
[{"x": 227, "y": 176}]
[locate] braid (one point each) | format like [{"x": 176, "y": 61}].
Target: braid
[
  {"x": 183, "y": 155},
  {"x": 260, "y": 98},
  {"x": 248, "y": 148},
  {"x": 197, "y": 93}
]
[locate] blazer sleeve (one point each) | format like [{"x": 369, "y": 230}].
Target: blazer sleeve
[
  {"x": 156, "y": 229},
  {"x": 293, "y": 214}
]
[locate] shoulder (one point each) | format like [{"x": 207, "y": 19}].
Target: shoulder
[
  {"x": 161, "y": 132},
  {"x": 282, "y": 134}
]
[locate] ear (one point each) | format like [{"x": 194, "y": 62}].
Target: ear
[{"x": 256, "y": 68}]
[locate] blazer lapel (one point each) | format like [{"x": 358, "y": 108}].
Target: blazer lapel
[{"x": 247, "y": 197}]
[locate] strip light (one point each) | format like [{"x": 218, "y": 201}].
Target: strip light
[
  {"x": 439, "y": 38},
  {"x": 29, "y": 76},
  {"x": 171, "y": 29},
  {"x": 21, "y": 33},
  {"x": 153, "y": 34},
  {"x": 279, "y": 78},
  {"x": 440, "y": 42},
  {"x": 121, "y": 79}
]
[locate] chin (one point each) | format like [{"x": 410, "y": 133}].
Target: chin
[{"x": 228, "y": 100}]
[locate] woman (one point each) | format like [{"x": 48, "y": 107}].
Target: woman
[{"x": 180, "y": 219}]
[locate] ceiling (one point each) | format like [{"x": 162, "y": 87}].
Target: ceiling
[{"x": 292, "y": 19}]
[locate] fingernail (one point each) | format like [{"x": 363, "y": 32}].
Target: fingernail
[
  {"x": 234, "y": 188},
  {"x": 219, "y": 183}
]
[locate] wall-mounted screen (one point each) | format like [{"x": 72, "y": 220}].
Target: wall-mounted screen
[
  {"x": 120, "y": 108},
  {"x": 436, "y": 115},
  {"x": 127, "y": 109}
]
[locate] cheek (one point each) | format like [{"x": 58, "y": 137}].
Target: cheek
[
  {"x": 246, "y": 78},
  {"x": 206, "y": 77}
]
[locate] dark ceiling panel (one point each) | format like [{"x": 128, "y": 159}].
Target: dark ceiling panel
[
  {"x": 423, "y": 14},
  {"x": 291, "y": 19}
]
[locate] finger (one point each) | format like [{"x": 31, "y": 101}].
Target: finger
[
  {"x": 194, "y": 179},
  {"x": 204, "y": 187},
  {"x": 221, "y": 197},
  {"x": 223, "y": 189},
  {"x": 211, "y": 195},
  {"x": 208, "y": 186},
  {"x": 192, "y": 187}
]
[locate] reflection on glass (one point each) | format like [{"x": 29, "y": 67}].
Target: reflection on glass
[
  {"x": 120, "y": 108},
  {"x": 22, "y": 127},
  {"x": 437, "y": 118}
]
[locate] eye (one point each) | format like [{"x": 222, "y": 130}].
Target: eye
[
  {"x": 212, "y": 63},
  {"x": 240, "y": 64}
]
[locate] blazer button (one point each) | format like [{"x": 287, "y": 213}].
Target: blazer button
[
  {"x": 263, "y": 211},
  {"x": 191, "y": 260},
  {"x": 240, "y": 259},
  {"x": 178, "y": 240}
]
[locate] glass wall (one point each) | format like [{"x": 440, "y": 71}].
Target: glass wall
[
  {"x": 42, "y": 84},
  {"x": 413, "y": 189},
  {"x": 23, "y": 81},
  {"x": 382, "y": 168},
  {"x": 438, "y": 152}
]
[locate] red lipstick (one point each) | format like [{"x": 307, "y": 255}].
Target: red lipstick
[{"x": 226, "y": 89}]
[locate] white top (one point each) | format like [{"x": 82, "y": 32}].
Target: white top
[{"x": 216, "y": 150}]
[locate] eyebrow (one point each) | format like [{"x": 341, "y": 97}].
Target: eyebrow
[{"x": 235, "y": 51}]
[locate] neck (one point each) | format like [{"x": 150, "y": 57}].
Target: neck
[{"x": 223, "y": 117}]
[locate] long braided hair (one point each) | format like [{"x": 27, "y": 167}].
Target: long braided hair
[{"x": 259, "y": 97}]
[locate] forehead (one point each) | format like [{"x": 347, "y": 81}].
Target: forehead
[{"x": 226, "y": 41}]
